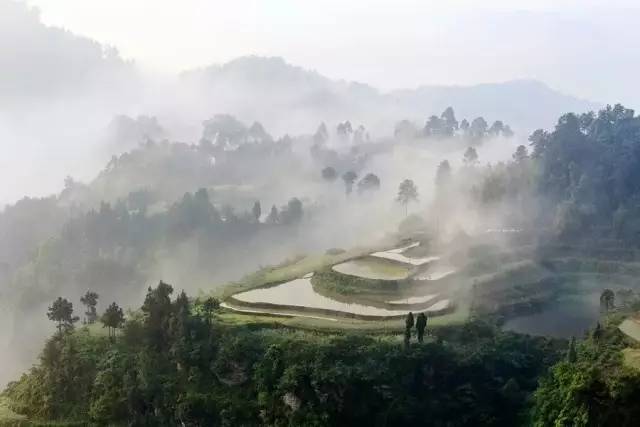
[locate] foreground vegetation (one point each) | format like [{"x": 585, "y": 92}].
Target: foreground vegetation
[
  {"x": 177, "y": 361},
  {"x": 593, "y": 386},
  {"x": 173, "y": 363}
]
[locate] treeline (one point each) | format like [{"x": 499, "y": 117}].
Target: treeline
[
  {"x": 175, "y": 363},
  {"x": 228, "y": 153},
  {"x": 114, "y": 248},
  {"x": 147, "y": 179},
  {"x": 579, "y": 181},
  {"x": 447, "y": 126},
  {"x": 368, "y": 183},
  {"x": 590, "y": 167},
  {"x": 61, "y": 312}
]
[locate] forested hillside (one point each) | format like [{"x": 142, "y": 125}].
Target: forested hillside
[
  {"x": 190, "y": 360},
  {"x": 175, "y": 363}
]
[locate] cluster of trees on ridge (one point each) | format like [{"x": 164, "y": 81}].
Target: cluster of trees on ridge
[
  {"x": 174, "y": 362},
  {"x": 578, "y": 181},
  {"x": 61, "y": 312},
  {"x": 447, "y": 126},
  {"x": 591, "y": 386},
  {"x": 407, "y": 191},
  {"x": 114, "y": 249},
  {"x": 370, "y": 182}
]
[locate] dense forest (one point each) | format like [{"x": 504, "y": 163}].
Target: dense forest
[
  {"x": 578, "y": 181},
  {"x": 173, "y": 363}
]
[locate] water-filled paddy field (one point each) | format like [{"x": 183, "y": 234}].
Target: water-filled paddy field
[
  {"x": 565, "y": 295},
  {"x": 369, "y": 268},
  {"x": 299, "y": 293},
  {"x": 357, "y": 288},
  {"x": 414, "y": 300},
  {"x": 436, "y": 272},
  {"x": 399, "y": 257}
]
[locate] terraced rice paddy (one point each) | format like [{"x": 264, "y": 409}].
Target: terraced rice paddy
[
  {"x": 631, "y": 328},
  {"x": 299, "y": 293},
  {"x": 384, "y": 265},
  {"x": 397, "y": 255},
  {"x": 436, "y": 273},
  {"x": 440, "y": 305},
  {"x": 298, "y": 298},
  {"x": 563, "y": 307},
  {"x": 371, "y": 269},
  {"x": 414, "y": 300},
  {"x": 274, "y": 313},
  {"x": 404, "y": 259},
  {"x": 403, "y": 248}
]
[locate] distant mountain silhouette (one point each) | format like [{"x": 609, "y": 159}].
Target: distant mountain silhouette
[
  {"x": 39, "y": 61},
  {"x": 525, "y": 104},
  {"x": 262, "y": 87},
  {"x": 41, "y": 64}
]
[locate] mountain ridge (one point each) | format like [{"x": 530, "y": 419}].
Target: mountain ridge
[{"x": 527, "y": 103}]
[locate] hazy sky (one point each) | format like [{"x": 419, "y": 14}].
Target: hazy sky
[{"x": 571, "y": 45}]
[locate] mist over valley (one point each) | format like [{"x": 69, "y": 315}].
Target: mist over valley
[{"x": 252, "y": 242}]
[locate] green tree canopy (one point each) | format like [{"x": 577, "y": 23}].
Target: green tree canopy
[
  {"x": 407, "y": 192},
  {"x": 113, "y": 319},
  {"x": 329, "y": 173},
  {"x": 470, "y": 156},
  {"x": 607, "y": 299},
  {"x": 450, "y": 122},
  {"x": 521, "y": 154},
  {"x": 349, "y": 179},
  {"x": 370, "y": 182},
  {"x": 90, "y": 301},
  {"x": 61, "y": 312}
]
